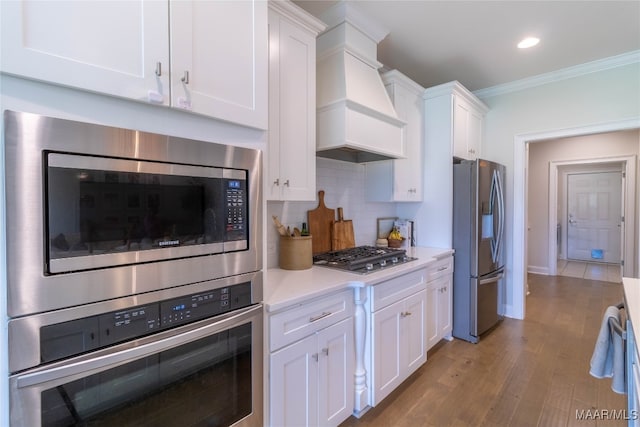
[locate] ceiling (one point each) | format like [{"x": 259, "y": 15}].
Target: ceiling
[{"x": 474, "y": 42}]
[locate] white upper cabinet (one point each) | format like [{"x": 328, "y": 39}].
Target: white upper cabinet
[
  {"x": 291, "y": 170},
  {"x": 467, "y": 128},
  {"x": 219, "y": 59},
  {"x": 400, "y": 180},
  {"x": 454, "y": 118},
  {"x": 122, "y": 48},
  {"x": 117, "y": 48}
]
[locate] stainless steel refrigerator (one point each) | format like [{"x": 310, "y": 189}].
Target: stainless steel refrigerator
[{"x": 478, "y": 240}]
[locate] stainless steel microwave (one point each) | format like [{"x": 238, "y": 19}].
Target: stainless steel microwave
[{"x": 96, "y": 212}]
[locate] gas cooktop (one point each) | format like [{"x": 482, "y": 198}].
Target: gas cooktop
[{"x": 363, "y": 259}]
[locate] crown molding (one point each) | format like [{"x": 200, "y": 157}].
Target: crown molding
[{"x": 563, "y": 74}]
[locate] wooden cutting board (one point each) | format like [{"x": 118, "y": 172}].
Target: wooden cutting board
[
  {"x": 320, "y": 222},
  {"x": 342, "y": 233}
]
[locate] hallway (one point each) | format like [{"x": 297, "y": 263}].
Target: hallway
[{"x": 589, "y": 270}]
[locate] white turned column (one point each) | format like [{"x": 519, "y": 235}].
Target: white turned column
[{"x": 360, "y": 376}]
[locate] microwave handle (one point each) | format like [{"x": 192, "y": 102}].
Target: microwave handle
[{"x": 143, "y": 347}]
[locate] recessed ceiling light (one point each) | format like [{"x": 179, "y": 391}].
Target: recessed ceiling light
[{"x": 528, "y": 42}]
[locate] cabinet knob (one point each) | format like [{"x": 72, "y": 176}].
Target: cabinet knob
[{"x": 185, "y": 78}]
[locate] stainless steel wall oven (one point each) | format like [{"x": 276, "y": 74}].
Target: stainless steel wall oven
[
  {"x": 134, "y": 280},
  {"x": 186, "y": 356}
]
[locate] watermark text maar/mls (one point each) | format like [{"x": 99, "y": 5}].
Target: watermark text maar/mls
[{"x": 606, "y": 414}]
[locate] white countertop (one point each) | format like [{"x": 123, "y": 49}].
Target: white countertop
[
  {"x": 285, "y": 288},
  {"x": 632, "y": 302}
]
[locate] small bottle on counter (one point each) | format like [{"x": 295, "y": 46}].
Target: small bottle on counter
[{"x": 305, "y": 230}]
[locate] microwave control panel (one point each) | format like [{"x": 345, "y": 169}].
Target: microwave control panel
[{"x": 235, "y": 195}]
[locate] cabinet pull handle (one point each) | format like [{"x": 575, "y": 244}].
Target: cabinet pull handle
[
  {"x": 158, "y": 69},
  {"x": 185, "y": 78},
  {"x": 286, "y": 183},
  {"x": 277, "y": 182},
  {"x": 320, "y": 316},
  {"x": 405, "y": 314},
  {"x": 325, "y": 351},
  {"x": 444, "y": 267},
  {"x": 315, "y": 356}
]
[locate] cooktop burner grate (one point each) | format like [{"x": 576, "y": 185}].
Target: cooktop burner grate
[{"x": 362, "y": 259}]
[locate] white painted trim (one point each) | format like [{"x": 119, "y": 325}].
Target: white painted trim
[
  {"x": 519, "y": 241},
  {"x": 563, "y": 74},
  {"x": 536, "y": 269},
  {"x": 628, "y": 195}
]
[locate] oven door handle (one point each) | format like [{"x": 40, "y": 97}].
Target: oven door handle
[{"x": 107, "y": 358}]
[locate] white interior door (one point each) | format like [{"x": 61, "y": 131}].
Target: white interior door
[{"x": 594, "y": 206}]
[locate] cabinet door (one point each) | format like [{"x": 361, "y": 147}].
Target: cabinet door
[
  {"x": 461, "y": 111},
  {"x": 76, "y": 44},
  {"x": 336, "y": 370},
  {"x": 474, "y": 133},
  {"x": 408, "y": 172},
  {"x": 432, "y": 315},
  {"x": 413, "y": 326},
  {"x": 292, "y": 108},
  {"x": 387, "y": 350},
  {"x": 219, "y": 59},
  {"x": 293, "y": 384},
  {"x": 445, "y": 301}
]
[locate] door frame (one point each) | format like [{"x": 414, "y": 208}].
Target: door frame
[
  {"x": 628, "y": 201},
  {"x": 518, "y": 276}
]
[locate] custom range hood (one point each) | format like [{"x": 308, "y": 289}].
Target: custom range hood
[{"x": 356, "y": 121}]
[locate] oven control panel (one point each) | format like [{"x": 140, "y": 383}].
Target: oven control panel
[
  {"x": 78, "y": 336},
  {"x": 182, "y": 310}
]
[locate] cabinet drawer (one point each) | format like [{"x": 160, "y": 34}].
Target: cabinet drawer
[
  {"x": 440, "y": 268},
  {"x": 303, "y": 320},
  {"x": 396, "y": 289}
]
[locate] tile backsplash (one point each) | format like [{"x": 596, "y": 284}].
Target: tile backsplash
[{"x": 343, "y": 185}]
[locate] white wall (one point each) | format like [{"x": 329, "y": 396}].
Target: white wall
[
  {"x": 23, "y": 95},
  {"x": 583, "y": 148},
  {"x": 586, "y": 101}
]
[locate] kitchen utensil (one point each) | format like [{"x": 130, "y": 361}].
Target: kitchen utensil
[
  {"x": 342, "y": 233},
  {"x": 320, "y": 222},
  {"x": 281, "y": 230}
]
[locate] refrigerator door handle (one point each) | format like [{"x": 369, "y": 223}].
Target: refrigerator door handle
[
  {"x": 494, "y": 198},
  {"x": 500, "y": 192},
  {"x": 491, "y": 279}
]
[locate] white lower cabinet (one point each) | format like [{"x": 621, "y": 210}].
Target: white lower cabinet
[
  {"x": 398, "y": 334},
  {"x": 633, "y": 378},
  {"x": 311, "y": 380},
  {"x": 439, "y": 301}
]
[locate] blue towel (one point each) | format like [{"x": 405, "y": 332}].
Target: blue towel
[{"x": 608, "y": 355}]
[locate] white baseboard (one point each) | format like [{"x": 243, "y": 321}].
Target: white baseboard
[{"x": 538, "y": 270}]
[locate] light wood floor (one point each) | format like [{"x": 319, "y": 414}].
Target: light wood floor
[
  {"x": 589, "y": 270},
  {"x": 523, "y": 373}
]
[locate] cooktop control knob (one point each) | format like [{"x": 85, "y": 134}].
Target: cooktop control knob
[
  {"x": 369, "y": 266},
  {"x": 394, "y": 260},
  {"x": 383, "y": 263}
]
